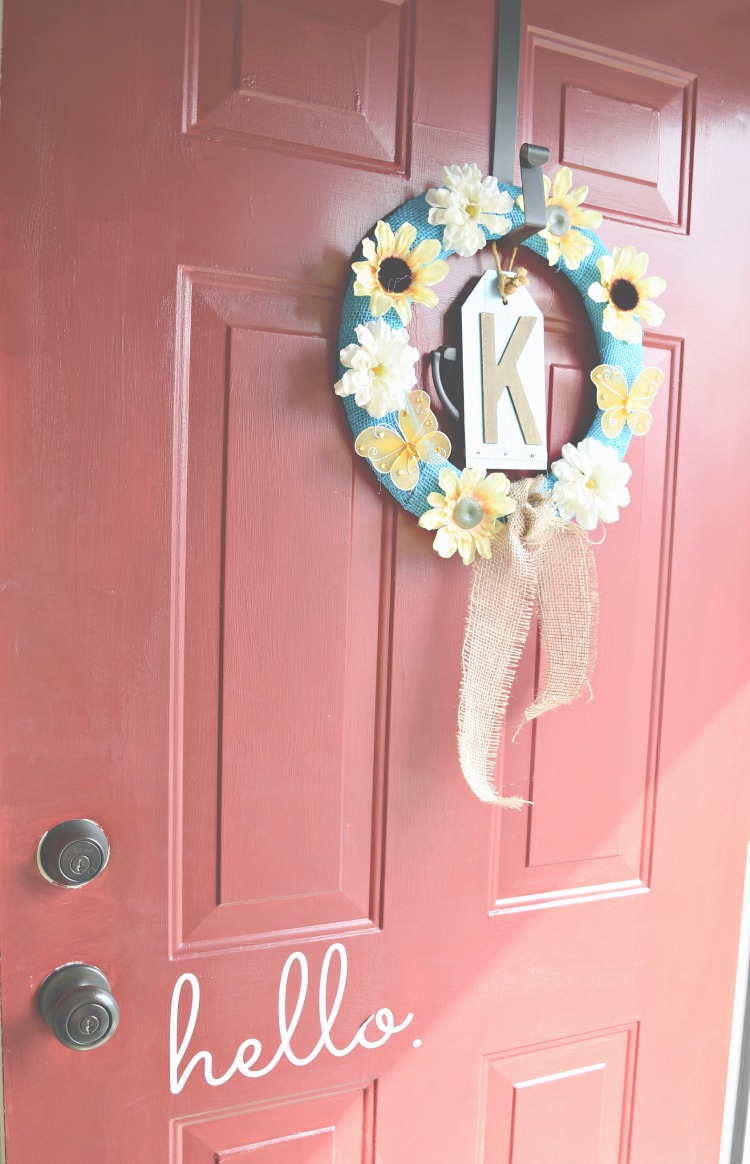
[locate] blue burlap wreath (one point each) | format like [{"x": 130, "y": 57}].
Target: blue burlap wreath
[{"x": 356, "y": 310}]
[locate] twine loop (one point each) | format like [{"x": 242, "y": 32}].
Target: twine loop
[{"x": 509, "y": 280}]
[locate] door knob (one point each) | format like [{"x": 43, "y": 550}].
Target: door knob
[
  {"x": 77, "y": 1003},
  {"x": 73, "y": 852}
]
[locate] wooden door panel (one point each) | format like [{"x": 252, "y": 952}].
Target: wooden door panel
[
  {"x": 621, "y": 122},
  {"x": 249, "y": 78},
  {"x": 568, "y": 1102},
  {"x": 327, "y": 1129},
  {"x": 274, "y": 830},
  {"x": 586, "y": 755}
]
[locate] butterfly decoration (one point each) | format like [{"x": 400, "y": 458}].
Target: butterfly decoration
[
  {"x": 399, "y": 453},
  {"x": 621, "y": 406}
]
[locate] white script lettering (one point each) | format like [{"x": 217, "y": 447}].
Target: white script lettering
[{"x": 250, "y": 1051}]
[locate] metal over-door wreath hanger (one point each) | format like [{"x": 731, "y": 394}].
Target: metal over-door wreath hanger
[{"x": 528, "y": 541}]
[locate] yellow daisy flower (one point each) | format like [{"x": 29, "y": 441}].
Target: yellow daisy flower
[
  {"x": 627, "y": 293},
  {"x": 465, "y": 513},
  {"x": 392, "y": 274},
  {"x": 564, "y": 214}
]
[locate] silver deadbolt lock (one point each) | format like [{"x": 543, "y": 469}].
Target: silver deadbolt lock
[
  {"x": 77, "y": 1003},
  {"x": 73, "y": 853}
]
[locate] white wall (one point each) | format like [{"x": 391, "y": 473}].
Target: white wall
[{"x": 740, "y": 1034}]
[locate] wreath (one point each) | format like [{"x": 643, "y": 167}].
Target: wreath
[{"x": 531, "y": 536}]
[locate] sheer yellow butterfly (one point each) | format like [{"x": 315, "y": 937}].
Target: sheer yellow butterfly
[
  {"x": 399, "y": 453},
  {"x": 621, "y": 405}
]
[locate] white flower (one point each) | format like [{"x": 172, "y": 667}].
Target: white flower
[
  {"x": 591, "y": 483},
  {"x": 465, "y": 204},
  {"x": 381, "y": 368}
]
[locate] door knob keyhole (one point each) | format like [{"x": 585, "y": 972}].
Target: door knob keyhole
[{"x": 77, "y": 1003}]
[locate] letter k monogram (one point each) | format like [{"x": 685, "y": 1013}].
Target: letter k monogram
[{"x": 497, "y": 377}]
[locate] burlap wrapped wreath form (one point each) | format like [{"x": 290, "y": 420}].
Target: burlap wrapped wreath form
[{"x": 538, "y": 557}]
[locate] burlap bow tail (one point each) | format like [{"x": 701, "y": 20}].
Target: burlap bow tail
[{"x": 537, "y": 557}]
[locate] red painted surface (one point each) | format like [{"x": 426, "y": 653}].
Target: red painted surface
[{"x": 223, "y": 644}]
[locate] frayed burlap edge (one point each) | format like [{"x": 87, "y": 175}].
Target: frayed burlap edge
[{"x": 537, "y": 559}]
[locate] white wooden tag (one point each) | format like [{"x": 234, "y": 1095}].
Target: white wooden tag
[{"x": 505, "y": 389}]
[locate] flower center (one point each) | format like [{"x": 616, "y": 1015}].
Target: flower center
[
  {"x": 468, "y": 513},
  {"x": 394, "y": 275},
  {"x": 590, "y": 484},
  {"x": 558, "y": 220},
  {"x": 624, "y": 294},
  {"x": 471, "y": 210},
  {"x": 376, "y": 370}
]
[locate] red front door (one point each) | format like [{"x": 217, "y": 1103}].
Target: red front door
[{"x": 222, "y": 643}]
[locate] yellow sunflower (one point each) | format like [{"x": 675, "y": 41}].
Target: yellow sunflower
[
  {"x": 392, "y": 274},
  {"x": 564, "y": 215},
  {"x": 465, "y": 513},
  {"x": 627, "y": 293}
]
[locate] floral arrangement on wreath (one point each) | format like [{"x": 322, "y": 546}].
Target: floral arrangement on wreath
[{"x": 531, "y": 536}]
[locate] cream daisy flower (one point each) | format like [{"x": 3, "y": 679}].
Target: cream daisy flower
[
  {"x": 466, "y": 512},
  {"x": 380, "y": 368},
  {"x": 392, "y": 274},
  {"x": 627, "y": 293},
  {"x": 464, "y": 204},
  {"x": 564, "y": 215},
  {"x": 591, "y": 483}
]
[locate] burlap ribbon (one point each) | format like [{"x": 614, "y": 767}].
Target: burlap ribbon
[{"x": 537, "y": 558}]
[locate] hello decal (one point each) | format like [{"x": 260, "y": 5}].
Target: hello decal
[{"x": 250, "y": 1051}]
